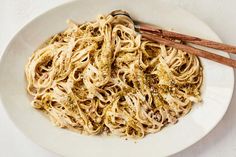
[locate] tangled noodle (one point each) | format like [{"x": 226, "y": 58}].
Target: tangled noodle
[{"x": 102, "y": 77}]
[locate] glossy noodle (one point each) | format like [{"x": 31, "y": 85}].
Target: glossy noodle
[{"x": 102, "y": 77}]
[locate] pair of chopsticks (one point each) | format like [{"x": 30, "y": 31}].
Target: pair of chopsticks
[{"x": 168, "y": 38}]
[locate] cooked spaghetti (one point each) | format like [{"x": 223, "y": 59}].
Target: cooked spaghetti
[{"x": 101, "y": 77}]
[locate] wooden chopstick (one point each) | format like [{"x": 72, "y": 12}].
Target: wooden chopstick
[
  {"x": 189, "y": 49},
  {"x": 187, "y": 38}
]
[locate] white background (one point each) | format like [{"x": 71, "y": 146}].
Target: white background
[{"x": 220, "y": 15}]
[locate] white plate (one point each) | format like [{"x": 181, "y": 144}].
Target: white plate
[{"x": 216, "y": 92}]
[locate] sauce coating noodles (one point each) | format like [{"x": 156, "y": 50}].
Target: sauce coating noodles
[{"x": 102, "y": 77}]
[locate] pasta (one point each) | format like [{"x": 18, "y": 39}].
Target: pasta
[{"x": 102, "y": 77}]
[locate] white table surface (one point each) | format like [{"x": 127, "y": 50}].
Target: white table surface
[{"x": 220, "y": 15}]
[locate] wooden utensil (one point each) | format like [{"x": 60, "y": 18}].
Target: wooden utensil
[{"x": 168, "y": 38}]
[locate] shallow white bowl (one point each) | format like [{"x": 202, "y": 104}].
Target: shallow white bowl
[{"x": 216, "y": 91}]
